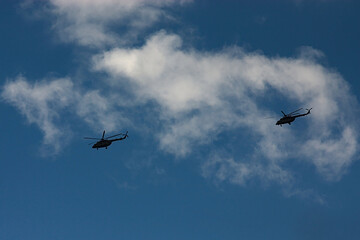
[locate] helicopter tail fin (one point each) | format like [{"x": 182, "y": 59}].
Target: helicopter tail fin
[{"x": 308, "y": 111}]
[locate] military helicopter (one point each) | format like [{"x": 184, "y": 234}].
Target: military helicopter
[
  {"x": 289, "y": 118},
  {"x": 105, "y": 142}
]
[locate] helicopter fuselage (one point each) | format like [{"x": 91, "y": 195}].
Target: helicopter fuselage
[
  {"x": 285, "y": 120},
  {"x": 102, "y": 144}
]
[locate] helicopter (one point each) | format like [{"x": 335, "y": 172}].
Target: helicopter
[
  {"x": 105, "y": 142},
  {"x": 289, "y": 118}
]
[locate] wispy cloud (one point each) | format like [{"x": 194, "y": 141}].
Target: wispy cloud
[
  {"x": 97, "y": 23},
  {"x": 332, "y": 156},
  {"x": 40, "y": 104},
  {"x": 122, "y": 185},
  {"x": 221, "y": 169},
  {"x": 99, "y": 112}
]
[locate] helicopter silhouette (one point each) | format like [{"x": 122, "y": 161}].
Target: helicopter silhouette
[
  {"x": 289, "y": 118},
  {"x": 105, "y": 142}
]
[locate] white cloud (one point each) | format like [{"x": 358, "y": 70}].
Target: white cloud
[
  {"x": 333, "y": 156},
  {"x": 40, "y": 104},
  {"x": 99, "y": 112},
  {"x": 222, "y": 169},
  {"x": 238, "y": 172},
  {"x": 203, "y": 93},
  {"x": 90, "y": 22}
]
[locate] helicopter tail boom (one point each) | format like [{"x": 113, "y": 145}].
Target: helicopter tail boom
[
  {"x": 304, "y": 114},
  {"x": 122, "y": 138}
]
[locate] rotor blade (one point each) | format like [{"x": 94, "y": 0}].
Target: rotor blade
[
  {"x": 295, "y": 111},
  {"x": 115, "y": 135},
  {"x": 91, "y": 143},
  {"x": 103, "y": 135},
  {"x": 283, "y": 113},
  {"x": 92, "y": 138}
]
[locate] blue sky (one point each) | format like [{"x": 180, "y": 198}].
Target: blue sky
[{"x": 193, "y": 82}]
